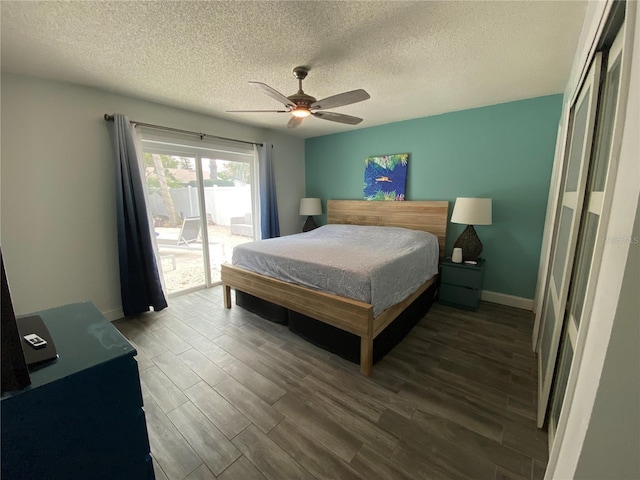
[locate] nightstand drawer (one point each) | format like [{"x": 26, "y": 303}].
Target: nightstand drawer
[
  {"x": 462, "y": 276},
  {"x": 459, "y": 296}
]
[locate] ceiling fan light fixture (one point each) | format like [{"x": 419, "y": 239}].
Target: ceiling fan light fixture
[
  {"x": 300, "y": 112},
  {"x": 300, "y": 104}
]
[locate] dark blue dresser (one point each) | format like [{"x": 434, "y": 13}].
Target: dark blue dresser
[{"x": 82, "y": 416}]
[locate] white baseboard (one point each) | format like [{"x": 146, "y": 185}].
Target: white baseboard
[
  {"x": 114, "y": 314},
  {"x": 504, "y": 299}
]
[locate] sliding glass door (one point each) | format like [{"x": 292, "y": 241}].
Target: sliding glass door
[
  {"x": 229, "y": 202},
  {"x": 202, "y": 201}
]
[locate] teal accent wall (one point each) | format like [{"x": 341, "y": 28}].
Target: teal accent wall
[{"x": 504, "y": 152}]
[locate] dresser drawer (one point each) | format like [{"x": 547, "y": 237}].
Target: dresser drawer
[
  {"x": 462, "y": 276},
  {"x": 459, "y": 296}
]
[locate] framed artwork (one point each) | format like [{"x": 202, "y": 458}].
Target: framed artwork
[{"x": 385, "y": 177}]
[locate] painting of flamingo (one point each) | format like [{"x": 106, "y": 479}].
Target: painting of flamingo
[{"x": 385, "y": 177}]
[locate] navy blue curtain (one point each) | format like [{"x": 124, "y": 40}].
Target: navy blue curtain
[
  {"x": 269, "y": 223},
  {"x": 139, "y": 279}
]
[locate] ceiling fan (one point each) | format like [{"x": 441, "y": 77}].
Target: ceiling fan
[{"x": 301, "y": 105}]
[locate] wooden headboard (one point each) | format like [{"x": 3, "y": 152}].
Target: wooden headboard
[{"x": 428, "y": 216}]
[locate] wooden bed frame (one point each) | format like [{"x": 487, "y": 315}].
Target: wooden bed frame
[{"x": 341, "y": 312}]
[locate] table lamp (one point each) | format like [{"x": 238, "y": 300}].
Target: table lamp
[
  {"x": 310, "y": 207},
  {"x": 471, "y": 211}
]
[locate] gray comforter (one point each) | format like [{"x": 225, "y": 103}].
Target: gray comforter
[{"x": 376, "y": 265}]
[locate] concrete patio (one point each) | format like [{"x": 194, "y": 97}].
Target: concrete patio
[{"x": 182, "y": 265}]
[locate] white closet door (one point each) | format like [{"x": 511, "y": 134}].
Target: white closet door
[
  {"x": 572, "y": 197},
  {"x": 552, "y": 215},
  {"x": 589, "y": 252}
]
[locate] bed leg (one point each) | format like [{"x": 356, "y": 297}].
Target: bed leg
[
  {"x": 226, "y": 295},
  {"x": 366, "y": 356}
]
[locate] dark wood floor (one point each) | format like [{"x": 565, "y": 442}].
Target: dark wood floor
[{"x": 229, "y": 395}]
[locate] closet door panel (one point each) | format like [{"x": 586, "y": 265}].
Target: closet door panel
[
  {"x": 544, "y": 353},
  {"x": 576, "y": 152},
  {"x": 572, "y": 198},
  {"x": 548, "y": 239},
  {"x": 603, "y": 156},
  {"x": 560, "y": 257},
  {"x": 562, "y": 378},
  {"x": 579, "y": 287},
  {"x": 589, "y": 250}
]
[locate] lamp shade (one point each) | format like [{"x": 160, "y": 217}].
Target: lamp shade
[
  {"x": 472, "y": 211},
  {"x": 310, "y": 206}
]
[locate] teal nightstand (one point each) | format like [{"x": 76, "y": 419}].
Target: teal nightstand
[{"x": 461, "y": 284}]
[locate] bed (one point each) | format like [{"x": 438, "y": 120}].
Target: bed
[{"x": 357, "y": 317}]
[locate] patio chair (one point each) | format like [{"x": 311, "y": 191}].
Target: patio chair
[{"x": 190, "y": 231}]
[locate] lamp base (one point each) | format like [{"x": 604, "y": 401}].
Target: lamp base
[
  {"x": 309, "y": 225},
  {"x": 470, "y": 244}
]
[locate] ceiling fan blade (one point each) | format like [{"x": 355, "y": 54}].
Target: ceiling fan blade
[
  {"x": 346, "y": 98},
  {"x": 295, "y": 122},
  {"x": 257, "y": 111},
  {"x": 337, "y": 117},
  {"x": 267, "y": 90}
]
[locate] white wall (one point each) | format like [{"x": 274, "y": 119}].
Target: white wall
[
  {"x": 612, "y": 443},
  {"x": 58, "y": 227},
  {"x": 605, "y": 389},
  {"x": 289, "y": 180}
]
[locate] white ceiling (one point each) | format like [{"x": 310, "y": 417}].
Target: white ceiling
[{"x": 414, "y": 58}]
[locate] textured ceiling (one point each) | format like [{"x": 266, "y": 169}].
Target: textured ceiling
[{"x": 414, "y": 58}]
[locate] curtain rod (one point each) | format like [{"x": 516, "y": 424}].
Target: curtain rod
[{"x": 109, "y": 118}]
